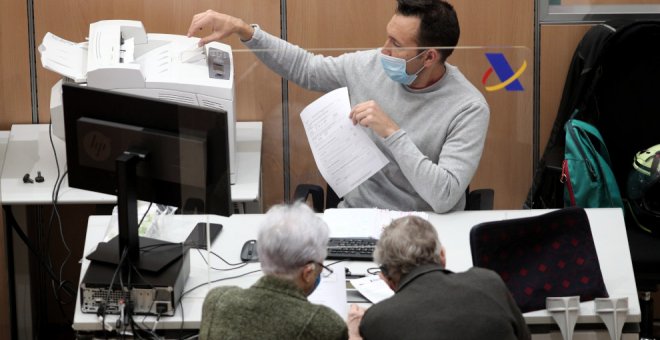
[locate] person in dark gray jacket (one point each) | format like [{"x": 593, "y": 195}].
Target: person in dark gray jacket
[
  {"x": 431, "y": 302},
  {"x": 291, "y": 246}
]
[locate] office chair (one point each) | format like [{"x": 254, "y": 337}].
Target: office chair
[
  {"x": 550, "y": 255},
  {"x": 479, "y": 199}
]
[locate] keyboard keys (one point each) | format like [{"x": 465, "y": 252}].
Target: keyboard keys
[{"x": 354, "y": 248}]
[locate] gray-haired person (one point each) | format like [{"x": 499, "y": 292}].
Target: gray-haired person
[
  {"x": 431, "y": 302},
  {"x": 292, "y": 245}
]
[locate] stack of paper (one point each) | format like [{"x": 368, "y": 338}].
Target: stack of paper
[
  {"x": 373, "y": 288},
  {"x": 368, "y": 222}
]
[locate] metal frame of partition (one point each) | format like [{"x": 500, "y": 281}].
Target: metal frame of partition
[{"x": 554, "y": 12}]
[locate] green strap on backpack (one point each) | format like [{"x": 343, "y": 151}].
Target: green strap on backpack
[{"x": 586, "y": 173}]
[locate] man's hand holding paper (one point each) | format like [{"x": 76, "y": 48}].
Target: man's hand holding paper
[
  {"x": 343, "y": 152},
  {"x": 370, "y": 115}
]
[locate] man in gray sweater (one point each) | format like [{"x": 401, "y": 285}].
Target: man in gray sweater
[{"x": 425, "y": 116}]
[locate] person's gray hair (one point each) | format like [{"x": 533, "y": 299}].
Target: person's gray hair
[
  {"x": 405, "y": 244},
  {"x": 290, "y": 237}
]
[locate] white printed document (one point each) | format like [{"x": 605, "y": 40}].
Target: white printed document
[
  {"x": 331, "y": 292},
  {"x": 373, "y": 288},
  {"x": 343, "y": 152}
]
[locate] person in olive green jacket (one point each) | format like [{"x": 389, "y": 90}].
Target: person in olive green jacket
[{"x": 291, "y": 246}]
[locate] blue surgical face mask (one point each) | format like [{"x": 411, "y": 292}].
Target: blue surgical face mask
[
  {"x": 316, "y": 284},
  {"x": 395, "y": 68}
]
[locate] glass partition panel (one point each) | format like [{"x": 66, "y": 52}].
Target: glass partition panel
[{"x": 503, "y": 75}]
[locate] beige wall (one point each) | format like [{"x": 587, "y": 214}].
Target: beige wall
[
  {"x": 14, "y": 65},
  {"x": 558, "y": 42}
]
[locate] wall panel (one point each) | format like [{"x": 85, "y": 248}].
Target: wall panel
[
  {"x": 14, "y": 65},
  {"x": 558, "y": 43},
  {"x": 14, "y": 108},
  {"x": 506, "y": 164}
]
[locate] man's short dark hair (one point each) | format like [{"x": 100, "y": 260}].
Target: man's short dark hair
[{"x": 438, "y": 23}]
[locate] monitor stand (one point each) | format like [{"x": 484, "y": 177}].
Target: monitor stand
[{"x": 125, "y": 248}]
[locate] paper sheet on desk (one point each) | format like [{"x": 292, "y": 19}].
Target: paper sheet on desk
[
  {"x": 343, "y": 152},
  {"x": 331, "y": 292},
  {"x": 373, "y": 288},
  {"x": 363, "y": 222}
]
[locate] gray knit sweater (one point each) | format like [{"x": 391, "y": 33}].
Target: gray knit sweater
[
  {"x": 442, "y": 128},
  {"x": 272, "y": 308}
]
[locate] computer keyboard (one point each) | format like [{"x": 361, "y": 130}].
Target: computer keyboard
[{"x": 351, "y": 248}]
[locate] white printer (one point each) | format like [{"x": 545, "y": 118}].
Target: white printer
[{"x": 121, "y": 56}]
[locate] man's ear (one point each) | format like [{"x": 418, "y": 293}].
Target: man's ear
[
  {"x": 308, "y": 273},
  {"x": 432, "y": 56},
  {"x": 443, "y": 257},
  {"x": 307, "y": 277}
]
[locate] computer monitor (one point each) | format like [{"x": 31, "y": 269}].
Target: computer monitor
[{"x": 147, "y": 149}]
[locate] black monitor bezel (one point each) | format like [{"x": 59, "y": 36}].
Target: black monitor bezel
[{"x": 167, "y": 116}]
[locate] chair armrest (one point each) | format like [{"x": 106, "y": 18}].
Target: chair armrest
[{"x": 480, "y": 199}]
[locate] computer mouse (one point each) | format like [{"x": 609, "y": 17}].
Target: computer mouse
[{"x": 249, "y": 251}]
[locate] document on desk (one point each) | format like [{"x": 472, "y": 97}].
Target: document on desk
[
  {"x": 331, "y": 292},
  {"x": 373, "y": 288},
  {"x": 343, "y": 152},
  {"x": 363, "y": 222}
]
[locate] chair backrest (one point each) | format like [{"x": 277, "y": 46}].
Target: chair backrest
[{"x": 549, "y": 255}]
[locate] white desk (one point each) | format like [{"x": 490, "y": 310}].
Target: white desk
[
  {"x": 607, "y": 227},
  {"x": 29, "y": 150}
]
